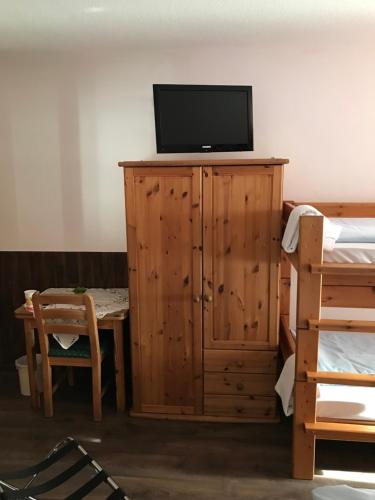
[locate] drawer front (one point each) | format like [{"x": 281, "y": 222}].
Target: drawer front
[
  {"x": 240, "y": 361},
  {"x": 239, "y": 383},
  {"x": 256, "y": 407}
]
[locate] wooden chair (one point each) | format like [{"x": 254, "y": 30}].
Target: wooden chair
[{"x": 86, "y": 352}]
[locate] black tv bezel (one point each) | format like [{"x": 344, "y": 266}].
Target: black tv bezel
[{"x": 198, "y": 148}]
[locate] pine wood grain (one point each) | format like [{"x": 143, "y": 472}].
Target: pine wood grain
[
  {"x": 241, "y": 256},
  {"x": 334, "y": 268},
  {"x": 348, "y": 296},
  {"x": 336, "y": 209},
  {"x": 239, "y": 383},
  {"x": 287, "y": 341},
  {"x": 336, "y": 325},
  {"x": 90, "y": 328},
  {"x": 255, "y": 407},
  {"x": 199, "y": 163},
  {"x": 341, "y": 431},
  {"x": 240, "y": 361},
  {"x": 164, "y": 225},
  {"x": 309, "y": 285},
  {"x": 310, "y": 250},
  {"x": 237, "y": 205},
  {"x": 341, "y": 378}
]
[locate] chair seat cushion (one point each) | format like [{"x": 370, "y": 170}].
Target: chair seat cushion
[{"x": 80, "y": 349}]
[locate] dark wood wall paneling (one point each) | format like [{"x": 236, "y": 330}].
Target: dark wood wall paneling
[{"x": 20, "y": 271}]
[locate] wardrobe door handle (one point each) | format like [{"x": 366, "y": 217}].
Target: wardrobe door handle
[
  {"x": 208, "y": 298},
  {"x": 197, "y": 298}
]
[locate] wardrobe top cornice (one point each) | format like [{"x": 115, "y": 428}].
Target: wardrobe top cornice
[{"x": 202, "y": 163}]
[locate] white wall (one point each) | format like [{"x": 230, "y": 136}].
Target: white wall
[{"x": 65, "y": 121}]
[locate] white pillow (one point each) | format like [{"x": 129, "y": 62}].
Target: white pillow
[
  {"x": 331, "y": 233},
  {"x": 355, "y": 230},
  {"x": 291, "y": 234}
]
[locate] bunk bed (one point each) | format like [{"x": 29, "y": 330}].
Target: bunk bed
[{"x": 343, "y": 277}]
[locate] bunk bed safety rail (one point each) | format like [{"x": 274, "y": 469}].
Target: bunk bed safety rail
[
  {"x": 341, "y": 325},
  {"x": 341, "y": 378}
]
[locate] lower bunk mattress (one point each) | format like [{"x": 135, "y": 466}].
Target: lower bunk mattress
[{"x": 338, "y": 352}]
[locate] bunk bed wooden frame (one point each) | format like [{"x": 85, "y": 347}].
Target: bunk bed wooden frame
[{"x": 322, "y": 284}]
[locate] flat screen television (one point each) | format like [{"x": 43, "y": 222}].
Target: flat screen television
[{"x": 203, "y": 118}]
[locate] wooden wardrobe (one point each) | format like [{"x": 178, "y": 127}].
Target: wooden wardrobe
[{"x": 203, "y": 239}]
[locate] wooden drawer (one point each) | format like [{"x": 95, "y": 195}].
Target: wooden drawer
[
  {"x": 257, "y": 407},
  {"x": 239, "y": 383},
  {"x": 240, "y": 361}
]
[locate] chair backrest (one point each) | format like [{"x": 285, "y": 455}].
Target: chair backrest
[{"x": 74, "y": 321}]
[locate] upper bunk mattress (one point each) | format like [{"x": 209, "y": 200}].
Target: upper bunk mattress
[
  {"x": 356, "y": 242},
  {"x": 351, "y": 253}
]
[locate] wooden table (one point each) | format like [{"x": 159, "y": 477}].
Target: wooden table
[{"x": 113, "y": 321}]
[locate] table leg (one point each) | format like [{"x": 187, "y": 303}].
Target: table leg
[
  {"x": 118, "y": 335},
  {"x": 31, "y": 363}
]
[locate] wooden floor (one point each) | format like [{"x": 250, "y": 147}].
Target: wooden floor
[{"x": 169, "y": 460}]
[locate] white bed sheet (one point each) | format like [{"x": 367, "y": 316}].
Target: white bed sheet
[
  {"x": 351, "y": 253},
  {"x": 346, "y": 402},
  {"x": 357, "y": 229}
]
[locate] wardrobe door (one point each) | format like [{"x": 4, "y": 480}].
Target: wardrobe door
[
  {"x": 241, "y": 248},
  {"x": 164, "y": 235}
]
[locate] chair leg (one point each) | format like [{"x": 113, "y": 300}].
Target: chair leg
[
  {"x": 97, "y": 392},
  {"x": 70, "y": 373},
  {"x": 47, "y": 390}
]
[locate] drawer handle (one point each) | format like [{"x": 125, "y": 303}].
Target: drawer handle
[
  {"x": 239, "y": 364},
  {"x": 240, "y": 386}
]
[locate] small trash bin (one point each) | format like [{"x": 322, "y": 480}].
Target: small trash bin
[{"x": 23, "y": 374}]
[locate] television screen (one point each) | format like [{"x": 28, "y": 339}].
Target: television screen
[{"x": 203, "y": 118}]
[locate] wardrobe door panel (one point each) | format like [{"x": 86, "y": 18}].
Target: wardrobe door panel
[
  {"x": 242, "y": 212},
  {"x": 165, "y": 253}
]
